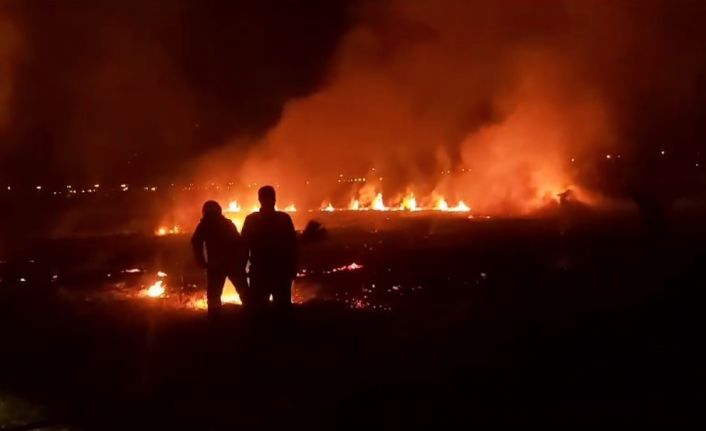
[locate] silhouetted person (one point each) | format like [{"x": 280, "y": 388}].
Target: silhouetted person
[
  {"x": 219, "y": 249},
  {"x": 654, "y": 207},
  {"x": 272, "y": 241},
  {"x": 313, "y": 232},
  {"x": 566, "y": 197}
]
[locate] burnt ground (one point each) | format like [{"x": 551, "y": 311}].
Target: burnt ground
[{"x": 502, "y": 322}]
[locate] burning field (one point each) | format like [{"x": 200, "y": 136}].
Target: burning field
[
  {"x": 342, "y": 266},
  {"x": 393, "y": 305},
  {"x": 407, "y": 204},
  {"x": 499, "y": 208},
  {"x": 172, "y": 293}
]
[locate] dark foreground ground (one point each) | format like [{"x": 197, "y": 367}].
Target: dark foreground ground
[{"x": 501, "y": 322}]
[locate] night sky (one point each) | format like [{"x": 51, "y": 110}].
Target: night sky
[{"x": 134, "y": 89}]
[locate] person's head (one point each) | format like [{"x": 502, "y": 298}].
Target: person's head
[
  {"x": 211, "y": 209},
  {"x": 266, "y": 196}
]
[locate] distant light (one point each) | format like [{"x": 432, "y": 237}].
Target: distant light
[
  {"x": 39, "y": 187},
  {"x": 662, "y": 152},
  {"x": 68, "y": 187},
  {"x": 132, "y": 270},
  {"x": 608, "y": 156},
  {"x": 697, "y": 164},
  {"x": 573, "y": 160},
  {"x": 153, "y": 188},
  {"x": 96, "y": 186},
  {"x": 9, "y": 188},
  {"x": 123, "y": 185}
]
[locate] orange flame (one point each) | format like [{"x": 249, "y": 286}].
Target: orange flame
[
  {"x": 441, "y": 205},
  {"x": 229, "y": 296},
  {"x": 460, "y": 207},
  {"x": 156, "y": 290},
  {"x": 378, "y": 204},
  {"x": 162, "y": 231},
  {"x": 234, "y": 207},
  {"x": 409, "y": 203}
]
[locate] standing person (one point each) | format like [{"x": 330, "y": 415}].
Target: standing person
[
  {"x": 272, "y": 242},
  {"x": 219, "y": 249}
]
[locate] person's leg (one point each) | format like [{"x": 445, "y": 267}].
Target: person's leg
[
  {"x": 240, "y": 283},
  {"x": 258, "y": 292},
  {"x": 282, "y": 301},
  {"x": 282, "y": 294},
  {"x": 216, "y": 280}
]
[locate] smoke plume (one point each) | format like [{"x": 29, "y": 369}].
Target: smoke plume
[{"x": 500, "y": 104}]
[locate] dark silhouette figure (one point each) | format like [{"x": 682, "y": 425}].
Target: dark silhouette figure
[
  {"x": 313, "y": 232},
  {"x": 219, "y": 249},
  {"x": 272, "y": 241},
  {"x": 654, "y": 206}
]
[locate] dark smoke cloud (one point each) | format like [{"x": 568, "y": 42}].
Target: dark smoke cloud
[{"x": 134, "y": 90}]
